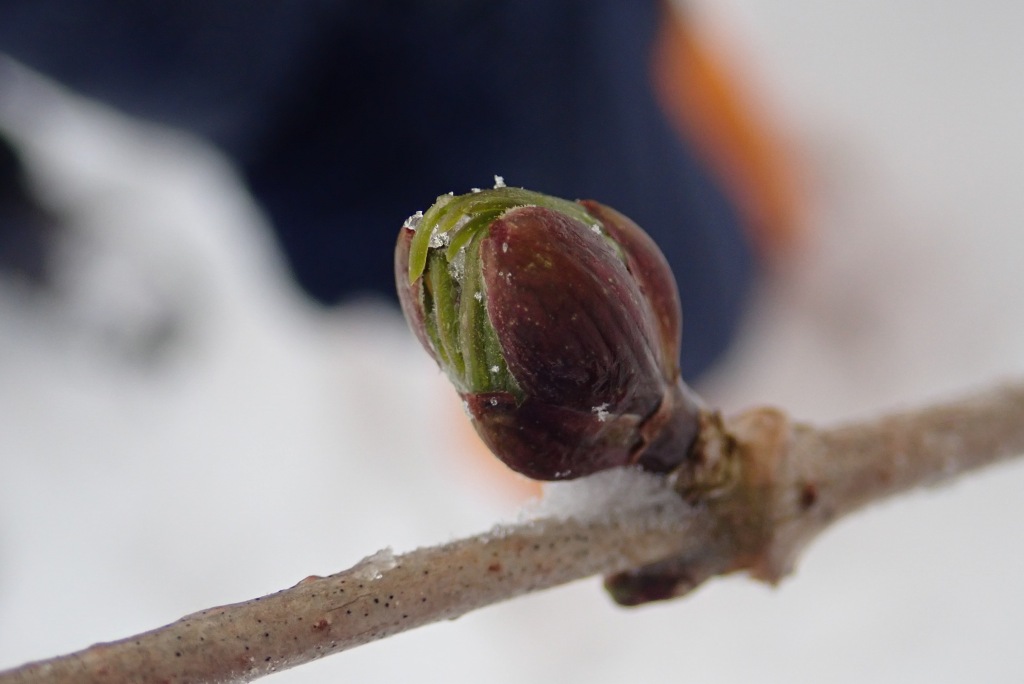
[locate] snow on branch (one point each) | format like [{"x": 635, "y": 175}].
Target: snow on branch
[{"x": 757, "y": 489}]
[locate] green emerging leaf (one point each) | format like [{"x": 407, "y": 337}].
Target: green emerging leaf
[{"x": 454, "y": 221}]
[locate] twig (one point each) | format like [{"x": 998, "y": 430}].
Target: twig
[
  {"x": 380, "y": 596},
  {"x": 758, "y": 490}
]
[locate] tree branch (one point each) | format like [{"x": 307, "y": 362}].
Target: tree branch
[{"x": 757, "y": 489}]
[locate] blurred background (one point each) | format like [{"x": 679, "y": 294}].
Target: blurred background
[{"x": 207, "y": 393}]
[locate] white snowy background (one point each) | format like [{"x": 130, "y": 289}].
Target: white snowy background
[{"x": 179, "y": 429}]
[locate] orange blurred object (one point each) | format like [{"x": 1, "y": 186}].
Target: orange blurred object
[{"x": 713, "y": 110}]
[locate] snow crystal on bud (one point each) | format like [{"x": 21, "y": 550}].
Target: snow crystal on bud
[
  {"x": 601, "y": 412},
  {"x": 474, "y": 190},
  {"x": 504, "y": 246},
  {"x": 499, "y": 181},
  {"x": 596, "y": 227},
  {"x": 444, "y": 199},
  {"x": 478, "y": 296},
  {"x": 494, "y": 401},
  {"x": 374, "y": 566},
  {"x": 438, "y": 239},
  {"x": 457, "y": 266},
  {"x": 607, "y": 495},
  {"x": 413, "y": 222},
  {"x": 494, "y": 369}
]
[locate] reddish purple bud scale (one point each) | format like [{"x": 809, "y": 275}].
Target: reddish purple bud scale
[{"x": 559, "y": 324}]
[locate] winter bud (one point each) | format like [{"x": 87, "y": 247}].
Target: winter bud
[{"x": 559, "y": 324}]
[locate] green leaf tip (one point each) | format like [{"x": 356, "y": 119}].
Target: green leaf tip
[{"x": 454, "y": 220}]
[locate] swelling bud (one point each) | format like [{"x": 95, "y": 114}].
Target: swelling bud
[{"x": 558, "y": 323}]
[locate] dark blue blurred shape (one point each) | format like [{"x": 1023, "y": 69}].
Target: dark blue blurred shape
[
  {"x": 345, "y": 117},
  {"x": 27, "y": 230}
]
